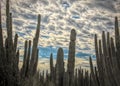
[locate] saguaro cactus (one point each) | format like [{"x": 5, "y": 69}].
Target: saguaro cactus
[
  {"x": 51, "y": 67},
  {"x": 71, "y": 57},
  {"x": 93, "y": 74},
  {"x": 28, "y": 59},
  {"x": 29, "y": 68},
  {"x": 59, "y": 67},
  {"x": 1, "y": 35},
  {"x": 15, "y": 42},
  {"x": 1, "y": 51},
  {"x": 117, "y": 40},
  {"x": 34, "y": 48},
  {"x": 66, "y": 79},
  {"x": 117, "y": 35},
  {"x": 23, "y": 69}
]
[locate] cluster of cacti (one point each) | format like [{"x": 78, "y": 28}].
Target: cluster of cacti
[
  {"x": 10, "y": 75},
  {"x": 107, "y": 72},
  {"x": 108, "y": 59},
  {"x": 9, "y": 71},
  {"x": 58, "y": 73}
]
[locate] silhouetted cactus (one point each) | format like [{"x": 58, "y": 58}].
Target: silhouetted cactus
[
  {"x": 29, "y": 68},
  {"x": 71, "y": 57},
  {"x": 66, "y": 79},
  {"x": 59, "y": 67},
  {"x": 15, "y": 42},
  {"x": 24, "y": 59},
  {"x": 34, "y": 48},
  {"x": 36, "y": 62},
  {"x": 1, "y": 35},
  {"x": 93, "y": 74},
  {"x": 17, "y": 59},
  {"x": 28, "y": 59},
  {"x": 9, "y": 55},
  {"x": 51, "y": 67},
  {"x": 117, "y": 35},
  {"x": 107, "y": 59},
  {"x": 1, "y": 51}
]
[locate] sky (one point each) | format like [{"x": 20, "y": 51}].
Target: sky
[{"x": 58, "y": 17}]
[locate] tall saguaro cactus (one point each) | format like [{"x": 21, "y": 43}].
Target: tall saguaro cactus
[
  {"x": 117, "y": 35},
  {"x": 1, "y": 36},
  {"x": 51, "y": 67},
  {"x": 59, "y": 67},
  {"x": 117, "y": 40},
  {"x": 34, "y": 48},
  {"x": 1, "y": 50},
  {"x": 29, "y": 68},
  {"x": 71, "y": 57}
]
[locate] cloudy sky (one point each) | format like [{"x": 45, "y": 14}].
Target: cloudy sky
[{"x": 87, "y": 17}]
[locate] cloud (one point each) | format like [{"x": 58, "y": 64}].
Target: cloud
[{"x": 86, "y": 17}]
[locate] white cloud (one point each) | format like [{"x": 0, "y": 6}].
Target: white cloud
[{"x": 86, "y": 17}]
